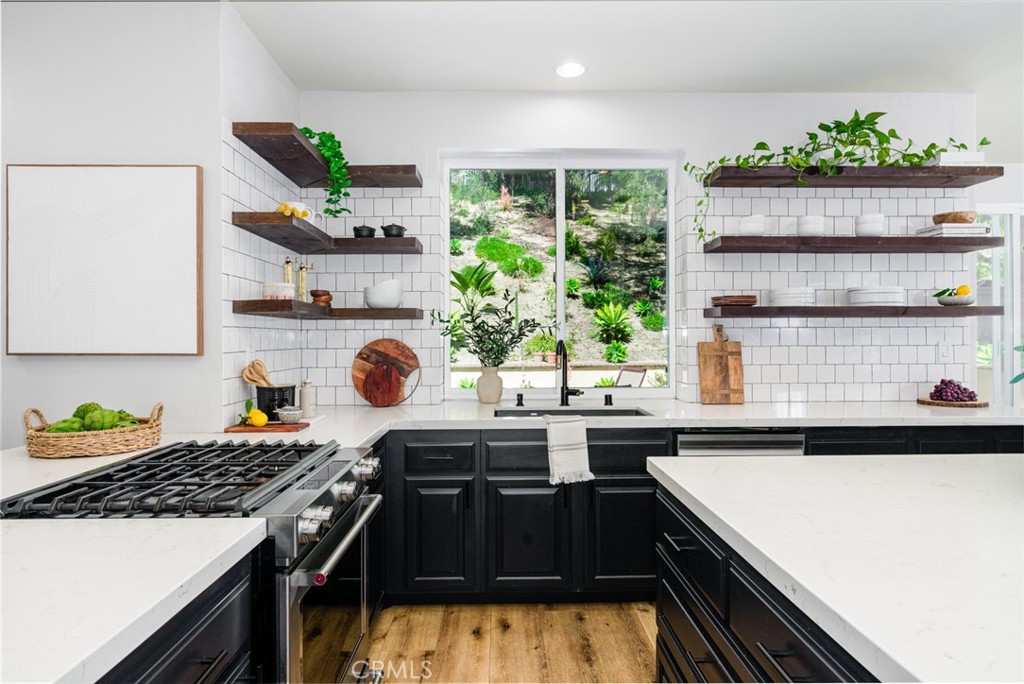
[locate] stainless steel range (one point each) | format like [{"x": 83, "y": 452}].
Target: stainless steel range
[{"x": 319, "y": 501}]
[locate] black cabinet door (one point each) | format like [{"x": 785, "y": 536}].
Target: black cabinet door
[
  {"x": 620, "y": 533},
  {"x": 527, "y": 534},
  {"x": 439, "y": 533}
]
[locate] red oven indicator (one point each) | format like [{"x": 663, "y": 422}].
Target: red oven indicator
[{"x": 319, "y": 579}]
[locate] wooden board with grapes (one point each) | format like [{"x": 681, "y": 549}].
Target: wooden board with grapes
[{"x": 952, "y": 394}]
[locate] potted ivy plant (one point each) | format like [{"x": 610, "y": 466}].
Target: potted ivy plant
[
  {"x": 338, "y": 179},
  {"x": 488, "y": 331}
]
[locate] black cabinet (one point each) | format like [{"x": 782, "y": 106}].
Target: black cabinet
[
  {"x": 719, "y": 620},
  {"x": 431, "y": 511},
  {"x": 619, "y": 533},
  {"x": 918, "y": 439},
  {"x": 210, "y": 640},
  {"x": 477, "y": 518},
  {"x": 527, "y": 534}
]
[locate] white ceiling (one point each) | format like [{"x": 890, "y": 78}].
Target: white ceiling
[{"x": 662, "y": 46}]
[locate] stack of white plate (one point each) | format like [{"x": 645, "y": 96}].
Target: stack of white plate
[
  {"x": 876, "y": 296},
  {"x": 793, "y": 296}
]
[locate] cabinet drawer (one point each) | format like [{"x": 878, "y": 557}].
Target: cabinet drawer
[
  {"x": 782, "y": 649},
  {"x": 668, "y": 671},
  {"x": 516, "y": 451},
  {"x": 425, "y": 456},
  {"x": 692, "y": 553},
  {"x": 696, "y": 657}
]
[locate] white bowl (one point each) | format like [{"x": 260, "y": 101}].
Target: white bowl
[
  {"x": 751, "y": 229},
  {"x": 278, "y": 290},
  {"x": 870, "y": 218},
  {"x": 954, "y": 300},
  {"x": 386, "y": 295},
  {"x": 289, "y": 414},
  {"x": 869, "y": 229}
]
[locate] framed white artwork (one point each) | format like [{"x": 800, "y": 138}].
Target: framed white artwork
[{"x": 104, "y": 259}]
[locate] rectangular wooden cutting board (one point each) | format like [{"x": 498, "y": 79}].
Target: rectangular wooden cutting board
[
  {"x": 720, "y": 365},
  {"x": 269, "y": 427}
]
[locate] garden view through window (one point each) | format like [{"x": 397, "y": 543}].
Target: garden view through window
[{"x": 597, "y": 279}]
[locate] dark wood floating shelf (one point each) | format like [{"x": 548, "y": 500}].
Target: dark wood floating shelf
[
  {"x": 303, "y": 237},
  {"x": 853, "y": 177},
  {"x": 732, "y": 244},
  {"x": 290, "y": 308},
  {"x": 850, "y": 311},
  {"x": 290, "y": 152}
]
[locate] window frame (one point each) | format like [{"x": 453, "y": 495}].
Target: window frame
[{"x": 560, "y": 161}]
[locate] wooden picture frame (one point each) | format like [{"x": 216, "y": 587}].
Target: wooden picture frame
[{"x": 104, "y": 259}]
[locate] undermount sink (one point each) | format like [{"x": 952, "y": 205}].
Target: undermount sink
[{"x": 534, "y": 411}]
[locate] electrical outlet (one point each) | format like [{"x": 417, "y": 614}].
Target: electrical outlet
[{"x": 945, "y": 354}]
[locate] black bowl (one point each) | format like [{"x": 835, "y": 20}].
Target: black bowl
[
  {"x": 363, "y": 231},
  {"x": 393, "y": 230}
]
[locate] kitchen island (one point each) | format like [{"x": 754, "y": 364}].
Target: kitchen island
[{"x": 912, "y": 564}]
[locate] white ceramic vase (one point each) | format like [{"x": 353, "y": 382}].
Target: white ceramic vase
[{"x": 489, "y": 385}]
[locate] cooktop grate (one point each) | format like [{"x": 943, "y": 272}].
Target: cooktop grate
[{"x": 187, "y": 479}]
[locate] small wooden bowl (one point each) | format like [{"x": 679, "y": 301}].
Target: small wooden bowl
[
  {"x": 955, "y": 217},
  {"x": 319, "y": 293}
]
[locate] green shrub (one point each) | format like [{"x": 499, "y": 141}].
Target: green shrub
[
  {"x": 660, "y": 379},
  {"x": 655, "y": 286},
  {"x": 573, "y": 245},
  {"x": 643, "y": 307},
  {"x": 483, "y": 223},
  {"x": 526, "y": 266},
  {"x": 587, "y": 220},
  {"x": 505, "y": 233},
  {"x": 551, "y": 251},
  {"x": 497, "y": 250},
  {"x": 605, "y": 382},
  {"x": 540, "y": 343},
  {"x": 606, "y": 245},
  {"x": 616, "y": 352},
  {"x": 604, "y": 295},
  {"x": 467, "y": 383},
  {"x": 654, "y": 321},
  {"x": 612, "y": 323},
  {"x": 455, "y": 247},
  {"x": 596, "y": 270},
  {"x": 572, "y": 288}
]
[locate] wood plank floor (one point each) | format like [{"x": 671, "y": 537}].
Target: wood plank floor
[{"x": 585, "y": 642}]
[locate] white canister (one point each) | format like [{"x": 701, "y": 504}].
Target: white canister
[
  {"x": 752, "y": 225},
  {"x": 307, "y": 399},
  {"x": 810, "y": 226}
]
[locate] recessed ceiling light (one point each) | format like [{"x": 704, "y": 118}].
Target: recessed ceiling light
[{"x": 570, "y": 70}]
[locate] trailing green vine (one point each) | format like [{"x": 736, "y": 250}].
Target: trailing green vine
[
  {"x": 337, "y": 170},
  {"x": 833, "y": 145}
]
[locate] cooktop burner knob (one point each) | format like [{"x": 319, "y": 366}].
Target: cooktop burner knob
[
  {"x": 366, "y": 468},
  {"x": 344, "y": 491},
  {"x": 309, "y": 530},
  {"x": 321, "y": 513}
]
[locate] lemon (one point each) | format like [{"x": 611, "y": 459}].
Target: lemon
[
  {"x": 963, "y": 291},
  {"x": 282, "y": 207},
  {"x": 257, "y": 418}
]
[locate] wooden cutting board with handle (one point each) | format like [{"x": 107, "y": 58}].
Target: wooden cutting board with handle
[
  {"x": 381, "y": 369},
  {"x": 720, "y": 365}
]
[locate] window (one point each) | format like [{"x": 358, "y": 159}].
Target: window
[
  {"x": 999, "y": 283},
  {"x": 584, "y": 249}
]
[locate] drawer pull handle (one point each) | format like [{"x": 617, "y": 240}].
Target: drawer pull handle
[
  {"x": 771, "y": 657},
  {"x": 211, "y": 666},
  {"x": 439, "y": 457},
  {"x": 677, "y": 547}
]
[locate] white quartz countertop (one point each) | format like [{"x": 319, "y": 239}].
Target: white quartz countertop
[
  {"x": 80, "y": 595},
  {"x": 914, "y": 564}
]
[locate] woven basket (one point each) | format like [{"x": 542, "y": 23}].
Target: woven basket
[{"x": 91, "y": 443}]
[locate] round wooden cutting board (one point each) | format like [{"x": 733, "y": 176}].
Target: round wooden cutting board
[
  {"x": 954, "y": 404},
  {"x": 382, "y": 369}
]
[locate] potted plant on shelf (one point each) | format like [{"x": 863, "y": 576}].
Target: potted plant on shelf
[
  {"x": 829, "y": 148},
  {"x": 338, "y": 179},
  {"x": 488, "y": 331}
]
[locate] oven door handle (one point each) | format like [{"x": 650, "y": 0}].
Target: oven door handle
[{"x": 317, "y": 576}]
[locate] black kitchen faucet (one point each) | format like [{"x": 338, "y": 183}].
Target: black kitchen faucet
[{"x": 563, "y": 363}]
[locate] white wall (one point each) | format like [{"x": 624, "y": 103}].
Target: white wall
[
  {"x": 120, "y": 83},
  {"x": 380, "y": 128}
]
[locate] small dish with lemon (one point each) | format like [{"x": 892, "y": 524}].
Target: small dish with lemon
[{"x": 955, "y": 296}]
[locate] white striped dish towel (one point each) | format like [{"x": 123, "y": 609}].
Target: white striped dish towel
[{"x": 568, "y": 458}]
